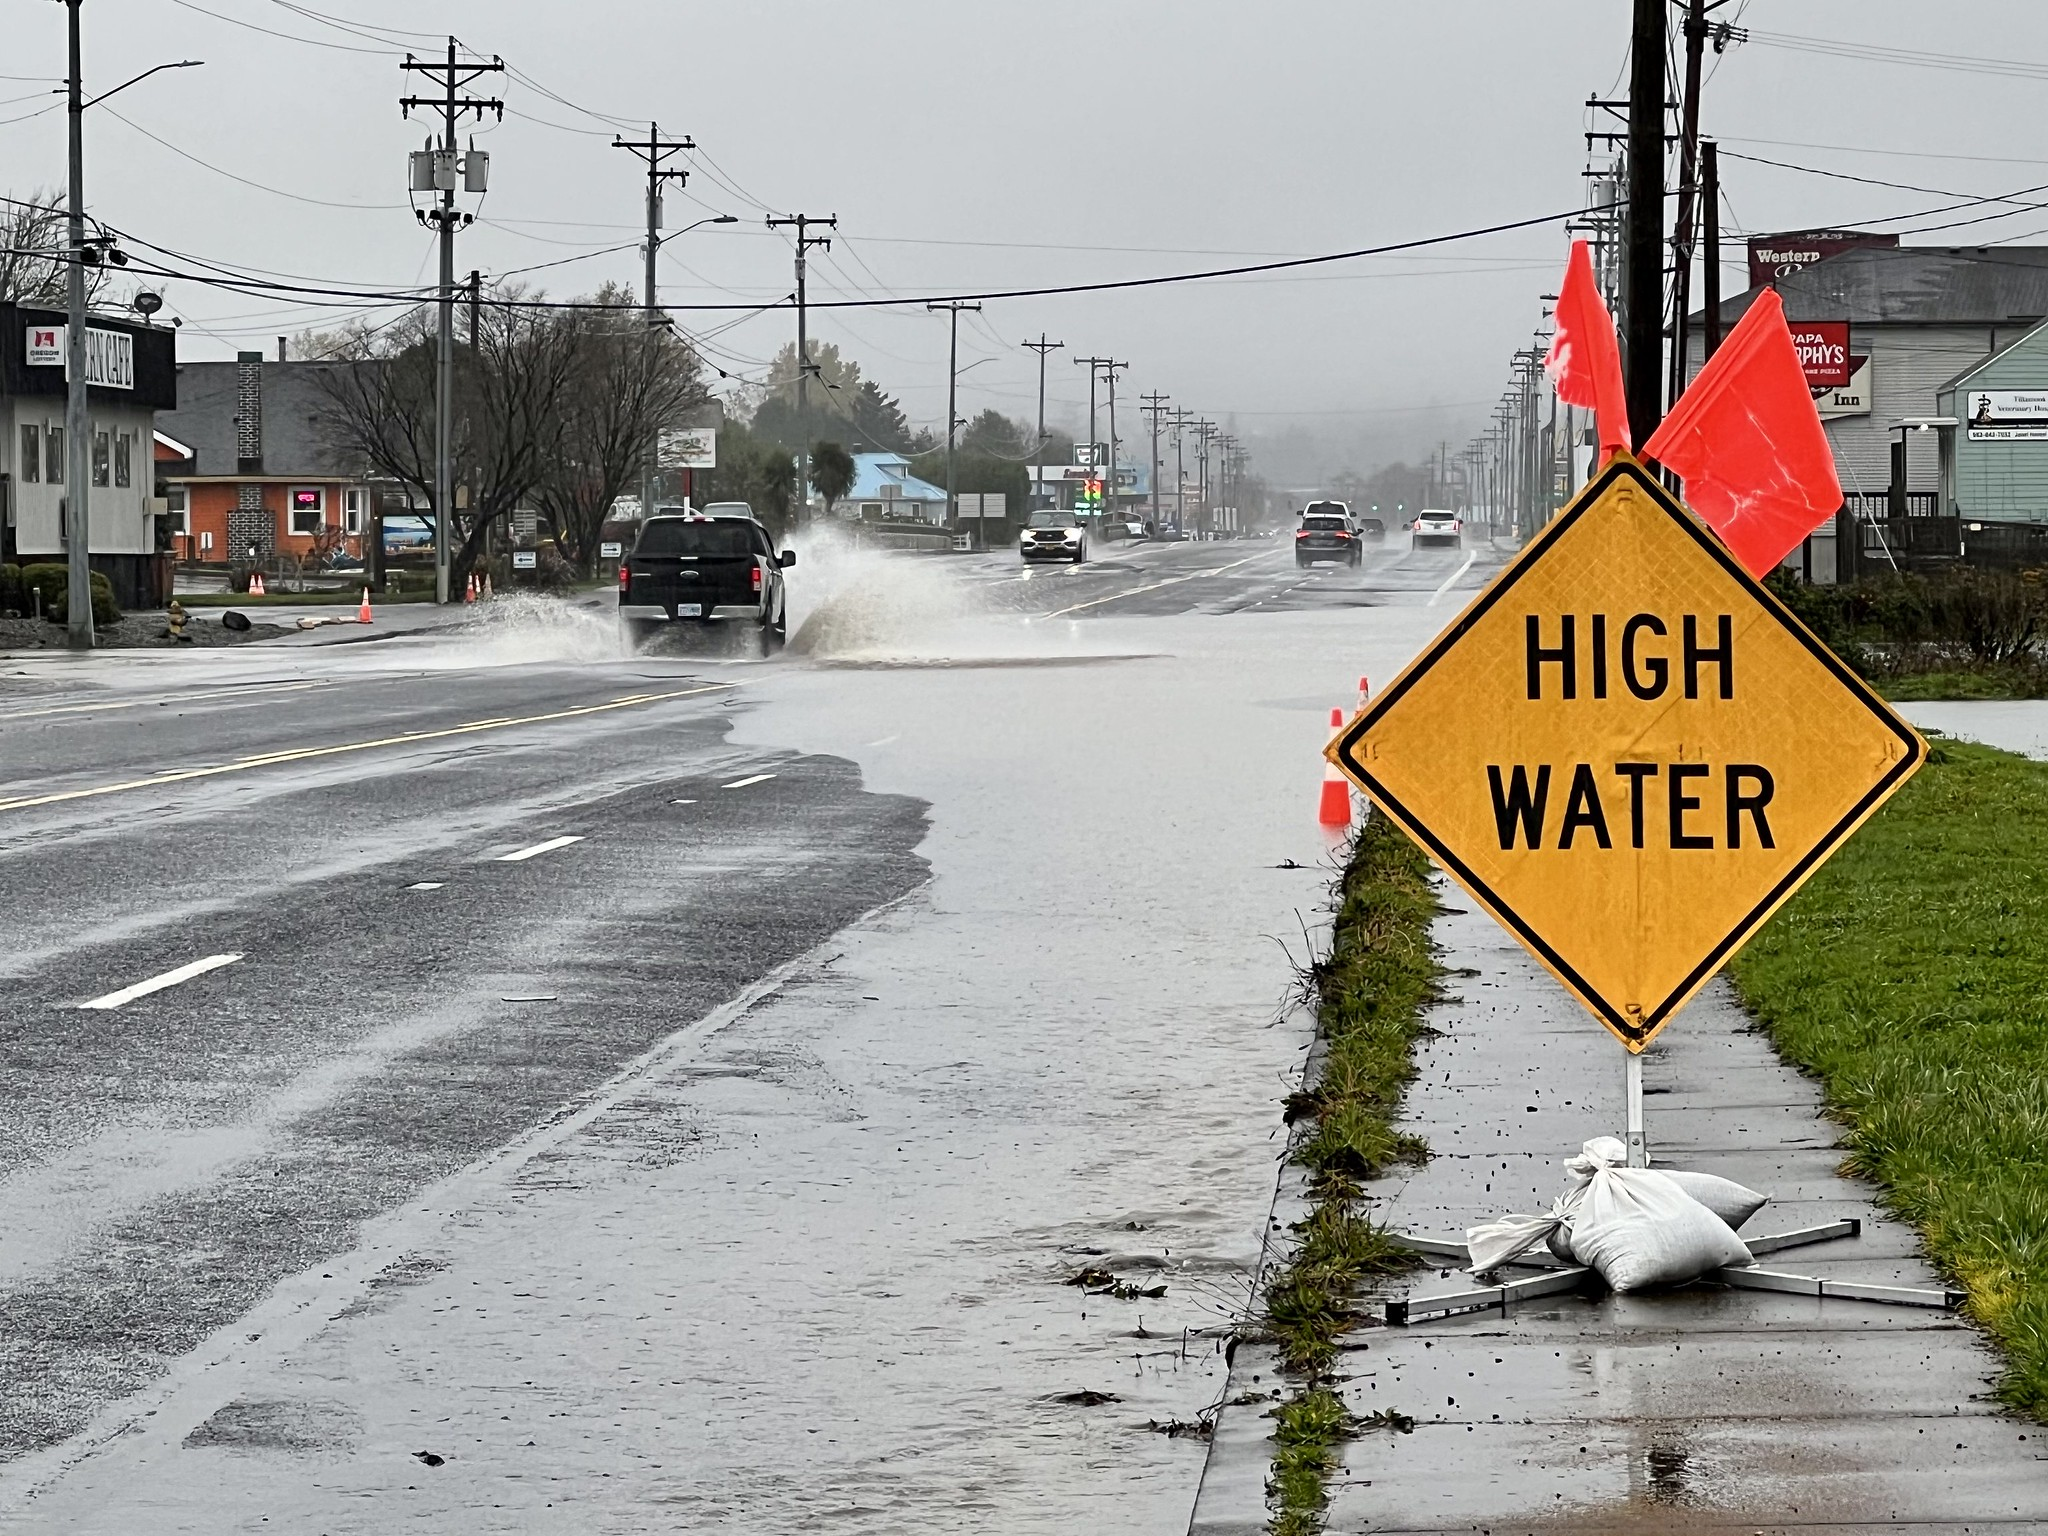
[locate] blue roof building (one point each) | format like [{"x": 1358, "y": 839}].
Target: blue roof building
[{"x": 884, "y": 488}]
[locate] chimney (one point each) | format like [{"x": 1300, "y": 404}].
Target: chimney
[
  {"x": 280, "y": 349},
  {"x": 248, "y": 413}
]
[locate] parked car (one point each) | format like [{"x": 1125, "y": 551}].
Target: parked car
[
  {"x": 1327, "y": 536},
  {"x": 1134, "y": 529},
  {"x": 1434, "y": 527},
  {"x": 1053, "y": 535},
  {"x": 704, "y": 572},
  {"x": 1372, "y": 527}
]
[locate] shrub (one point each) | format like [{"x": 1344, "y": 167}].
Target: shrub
[
  {"x": 54, "y": 582},
  {"x": 10, "y": 589}
]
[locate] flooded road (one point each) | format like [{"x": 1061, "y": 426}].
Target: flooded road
[{"x": 670, "y": 1091}]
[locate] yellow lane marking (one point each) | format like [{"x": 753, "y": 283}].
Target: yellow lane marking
[
  {"x": 1173, "y": 581},
  {"x": 302, "y": 754}
]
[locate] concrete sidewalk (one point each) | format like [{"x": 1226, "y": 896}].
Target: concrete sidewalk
[{"x": 1699, "y": 1410}]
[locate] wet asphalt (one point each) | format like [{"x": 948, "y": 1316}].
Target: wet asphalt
[{"x": 405, "y": 1001}]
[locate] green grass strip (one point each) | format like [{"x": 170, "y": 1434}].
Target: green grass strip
[
  {"x": 1911, "y": 976},
  {"x": 1368, "y": 993}
]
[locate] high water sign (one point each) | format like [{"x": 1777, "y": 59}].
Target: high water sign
[{"x": 1628, "y": 751}]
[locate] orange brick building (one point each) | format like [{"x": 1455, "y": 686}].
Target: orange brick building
[{"x": 251, "y": 460}]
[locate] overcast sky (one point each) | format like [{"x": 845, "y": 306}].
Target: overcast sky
[{"x": 968, "y": 145}]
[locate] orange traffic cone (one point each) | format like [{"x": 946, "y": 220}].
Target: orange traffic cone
[
  {"x": 1364, "y": 691},
  {"x": 363, "y": 613},
  {"x": 488, "y": 593},
  {"x": 1335, "y": 809},
  {"x": 256, "y": 584},
  {"x": 469, "y": 592}
]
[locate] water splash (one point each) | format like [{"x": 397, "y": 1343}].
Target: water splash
[
  {"x": 848, "y": 602},
  {"x": 522, "y": 629}
]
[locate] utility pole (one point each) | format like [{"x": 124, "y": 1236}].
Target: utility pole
[
  {"x": 1181, "y": 418},
  {"x": 804, "y": 241},
  {"x": 1109, "y": 372},
  {"x": 440, "y": 167},
  {"x": 952, "y": 308},
  {"x": 1695, "y": 32},
  {"x": 1154, "y": 406},
  {"x": 1205, "y": 433},
  {"x": 1041, "y": 347},
  {"x": 77, "y": 416},
  {"x": 1642, "y": 350},
  {"x": 655, "y": 151},
  {"x": 1710, "y": 272}
]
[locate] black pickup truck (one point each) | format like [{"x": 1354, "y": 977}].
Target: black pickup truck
[{"x": 691, "y": 573}]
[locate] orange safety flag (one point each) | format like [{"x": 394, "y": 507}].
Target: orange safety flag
[
  {"x": 1585, "y": 358},
  {"x": 1749, "y": 445}
]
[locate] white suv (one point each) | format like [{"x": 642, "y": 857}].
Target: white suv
[{"x": 1432, "y": 527}]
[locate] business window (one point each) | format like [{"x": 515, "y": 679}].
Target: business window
[
  {"x": 53, "y": 455},
  {"x": 102, "y": 459},
  {"x": 124, "y": 459},
  {"x": 31, "y": 454},
  {"x": 177, "y": 511},
  {"x": 309, "y": 509}
]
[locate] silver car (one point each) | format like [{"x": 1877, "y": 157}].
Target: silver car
[{"x": 1052, "y": 535}]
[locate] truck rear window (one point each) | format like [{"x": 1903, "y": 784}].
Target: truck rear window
[{"x": 682, "y": 536}]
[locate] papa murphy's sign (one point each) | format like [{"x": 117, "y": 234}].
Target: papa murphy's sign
[
  {"x": 109, "y": 355},
  {"x": 1823, "y": 347},
  {"x": 1774, "y": 256}
]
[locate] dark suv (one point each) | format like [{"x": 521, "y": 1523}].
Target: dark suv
[
  {"x": 706, "y": 573},
  {"x": 1327, "y": 533}
]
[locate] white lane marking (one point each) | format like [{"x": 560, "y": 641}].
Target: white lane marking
[
  {"x": 538, "y": 848},
  {"x": 758, "y": 778},
  {"x": 165, "y": 700},
  {"x": 1171, "y": 581},
  {"x": 426, "y": 885},
  {"x": 158, "y": 983},
  {"x": 1451, "y": 579},
  {"x": 882, "y": 742},
  {"x": 682, "y": 802},
  {"x": 302, "y": 754}
]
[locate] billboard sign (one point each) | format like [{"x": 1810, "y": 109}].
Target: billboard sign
[
  {"x": 2008, "y": 416},
  {"x": 1774, "y": 256},
  {"x": 1823, "y": 352},
  {"x": 689, "y": 448},
  {"x": 109, "y": 355}
]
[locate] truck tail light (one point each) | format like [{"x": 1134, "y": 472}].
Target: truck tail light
[
  {"x": 625, "y": 578},
  {"x": 757, "y": 578}
]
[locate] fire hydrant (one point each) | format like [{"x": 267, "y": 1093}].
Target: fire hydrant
[{"x": 178, "y": 623}]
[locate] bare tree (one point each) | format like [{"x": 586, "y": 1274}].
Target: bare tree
[
  {"x": 510, "y": 388},
  {"x": 626, "y": 384},
  {"x": 33, "y": 239}
]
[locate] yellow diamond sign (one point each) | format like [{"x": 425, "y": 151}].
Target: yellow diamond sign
[{"x": 1628, "y": 751}]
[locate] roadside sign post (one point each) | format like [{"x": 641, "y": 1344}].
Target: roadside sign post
[{"x": 1630, "y": 753}]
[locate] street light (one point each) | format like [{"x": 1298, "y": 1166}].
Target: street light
[{"x": 77, "y": 413}]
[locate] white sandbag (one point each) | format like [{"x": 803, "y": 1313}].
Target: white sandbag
[
  {"x": 1494, "y": 1243},
  {"x": 1734, "y": 1203},
  {"x": 1639, "y": 1228}
]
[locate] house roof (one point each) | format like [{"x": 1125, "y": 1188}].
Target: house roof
[
  {"x": 2028, "y": 338},
  {"x": 300, "y": 422},
  {"x": 1913, "y": 285},
  {"x": 872, "y": 471}
]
